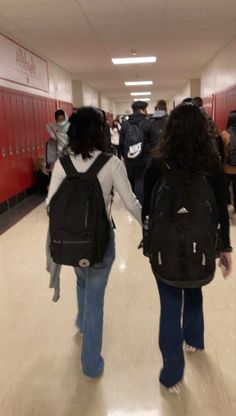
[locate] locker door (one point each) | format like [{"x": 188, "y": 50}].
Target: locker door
[
  {"x": 36, "y": 119},
  {"x": 5, "y": 173},
  {"x": 22, "y": 141},
  {"x": 13, "y": 178},
  {"x": 29, "y": 134},
  {"x": 225, "y": 102},
  {"x": 17, "y": 131}
]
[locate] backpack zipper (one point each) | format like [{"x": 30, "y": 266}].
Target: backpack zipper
[
  {"x": 203, "y": 259},
  {"x": 86, "y": 215},
  {"x": 72, "y": 242},
  {"x": 159, "y": 258}
]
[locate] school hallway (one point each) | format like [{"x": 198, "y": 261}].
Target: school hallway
[{"x": 40, "y": 368}]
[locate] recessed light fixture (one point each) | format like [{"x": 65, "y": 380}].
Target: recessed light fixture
[
  {"x": 140, "y": 93},
  {"x": 132, "y": 83},
  {"x": 134, "y": 60},
  {"x": 142, "y": 99}
]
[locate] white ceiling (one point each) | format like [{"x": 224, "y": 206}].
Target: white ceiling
[{"x": 83, "y": 35}]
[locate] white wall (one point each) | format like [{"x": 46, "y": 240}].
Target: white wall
[
  {"x": 181, "y": 95},
  {"x": 220, "y": 72},
  {"x": 107, "y": 105},
  {"x": 60, "y": 84},
  {"x": 90, "y": 96},
  {"x": 124, "y": 107}
]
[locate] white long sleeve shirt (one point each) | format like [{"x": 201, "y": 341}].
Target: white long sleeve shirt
[{"x": 113, "y": 174}]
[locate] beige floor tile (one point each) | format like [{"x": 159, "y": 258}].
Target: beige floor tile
[{"x": 40, "y": 370}]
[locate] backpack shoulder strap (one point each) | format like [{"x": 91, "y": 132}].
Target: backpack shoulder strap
[
  {"x": 68, "y": 166},
  {"x": 98, "y": 164}
]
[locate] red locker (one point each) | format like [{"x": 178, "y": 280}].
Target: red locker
[
  {"x": 208, "y": 104},
  {"x": 18, "y": 138},
  {"x": 225, "y": 101},
  {"x": 10, "y": 120},
  {"x": 23, "y": 119},
  {"x": 5, "y": 181},
  {"x": 30, "y": 135}
]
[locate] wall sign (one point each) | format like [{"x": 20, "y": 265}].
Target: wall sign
[{"x": 21, "y": 66}]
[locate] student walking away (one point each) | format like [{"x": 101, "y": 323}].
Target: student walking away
[
  {"x": 184, "y": 204},
  {"x": 229, "y": 142},
  {"x": 80, "y": 226},
  {"x": 115, "y": 138},
  {"x": 58, "y": 141},
  {"x": 159, "y": 120},
  {"x": 106, "y": 131},
  {"x": 135, "y": 145},
  {"x": 213, "y": 130},
  {"x": 117, "y": 119}
]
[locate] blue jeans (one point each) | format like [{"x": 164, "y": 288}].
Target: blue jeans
[
  {"x": 91, "y": 285},
  {"x": 181, "y": 320}
]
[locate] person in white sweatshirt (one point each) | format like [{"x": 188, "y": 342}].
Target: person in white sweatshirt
[
  {"x": 58, "y": 130},
  {"x": 86, "y": 142}
]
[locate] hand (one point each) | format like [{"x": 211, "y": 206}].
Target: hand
[{"x": 225, "y": 262}]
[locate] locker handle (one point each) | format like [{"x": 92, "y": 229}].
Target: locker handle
[
  {"x": 17, "y": 150},
  {"x": 10, "y": 151},
  {"x": 3, "y": 152}
]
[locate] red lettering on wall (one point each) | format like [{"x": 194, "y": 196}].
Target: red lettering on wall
[{"x": 24, "y": 63}]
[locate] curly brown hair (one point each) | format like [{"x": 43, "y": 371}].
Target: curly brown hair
[{"x": 186, "y": 141}]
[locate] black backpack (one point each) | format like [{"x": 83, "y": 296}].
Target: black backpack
[
  {"x": 158, "y": 127},
  {"x": 133, "y": 140},
  {"x": 231, "y": 156},
  {"x": 182, "y": 230},
  {"x": 78, "y": 222}
]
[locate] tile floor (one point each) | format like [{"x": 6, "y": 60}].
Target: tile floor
[{"x": 40, "y": 371}]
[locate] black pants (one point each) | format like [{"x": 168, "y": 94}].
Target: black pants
[
  {"x": 231, "y": 179},
  {"x": 181, "y": 320},
  {"x": 136, "y": 170}
]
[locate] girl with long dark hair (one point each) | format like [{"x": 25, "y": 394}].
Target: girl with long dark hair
[
  {"x": 187, "y": 147},
  {"x": 86, "y": 143}
]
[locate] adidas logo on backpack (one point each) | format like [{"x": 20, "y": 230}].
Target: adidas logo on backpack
[
  {"x": 181, "y": 241},
  {"x": 183, "y": 211}
]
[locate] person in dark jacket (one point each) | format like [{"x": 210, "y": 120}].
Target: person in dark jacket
[
  {"x": 106, "y": 131},
  {"x": 136, "y": 166},
  {"x": 186, "y": 145},
  {"x": 159, "y": 120}
]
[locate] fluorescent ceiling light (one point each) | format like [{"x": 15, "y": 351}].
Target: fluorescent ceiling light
[
  {"x": 134, "y": 60},
  {"x": 140, "y": 93},
  {"x": 142, "y": 99},
  {"x": 131, "y": 83}
]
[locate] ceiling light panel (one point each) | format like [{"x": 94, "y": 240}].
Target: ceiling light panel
[
  {"x": 142, "y": 99},
  {"x": 140, "y": 93},
  {"x": 134, "y": 60},
  {"x": 132, "y": 83}
]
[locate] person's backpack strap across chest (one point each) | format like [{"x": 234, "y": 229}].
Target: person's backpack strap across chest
[{"x": 93, "y": 170}]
